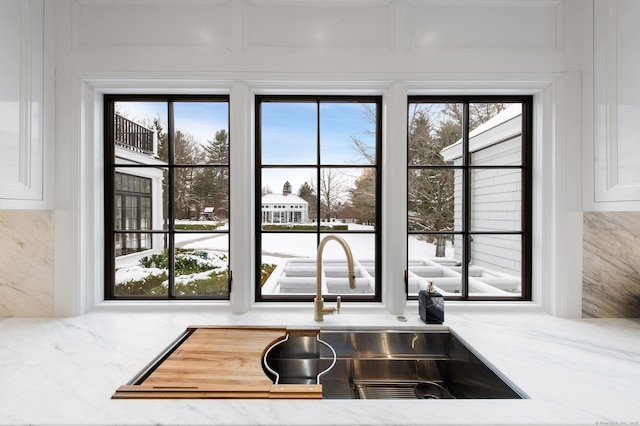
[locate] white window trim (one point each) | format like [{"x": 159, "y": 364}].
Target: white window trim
[{"x": 79, "y": 223}]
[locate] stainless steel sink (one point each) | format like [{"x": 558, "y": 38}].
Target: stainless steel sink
[{"x": 386, "y": 364}]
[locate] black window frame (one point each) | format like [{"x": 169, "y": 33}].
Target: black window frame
[
  {"x": 259, "y": 100},
  {"x": 526, "y": 219},
  {"x": 110, "y": 166},
  {"x": 138, "y": 195}
]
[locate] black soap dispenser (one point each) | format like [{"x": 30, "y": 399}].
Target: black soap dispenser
[{"x": 431, "y": 305}]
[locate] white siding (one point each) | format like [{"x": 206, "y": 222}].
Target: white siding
[{"x": 495, "y": 206}]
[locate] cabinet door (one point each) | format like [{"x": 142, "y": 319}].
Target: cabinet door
[
  {"x": 617, "y": 100},
  {"x": 21, "y": 99}
]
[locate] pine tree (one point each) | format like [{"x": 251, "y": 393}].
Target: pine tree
[
  {"x": 307, "y": 193},
  {"x": 212, "y": 186}
]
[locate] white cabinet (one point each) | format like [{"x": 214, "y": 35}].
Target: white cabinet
[
  {"x": 616, "y": 102},
  {"x": 22, "y": 81}
]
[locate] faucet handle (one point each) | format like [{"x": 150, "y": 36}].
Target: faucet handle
[{"x": 338, "y": 300}]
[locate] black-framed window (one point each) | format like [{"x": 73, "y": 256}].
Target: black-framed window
[
  {"x": 166, "y": 197},
  {"x": 469, "y": 198},
  {"x": 318, "y": 172},
  {"x": 132, "y": 211}
]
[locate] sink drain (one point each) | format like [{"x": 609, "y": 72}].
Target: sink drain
[{"x": 431, "y": 390}]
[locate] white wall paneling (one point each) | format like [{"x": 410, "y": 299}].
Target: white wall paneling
[
  {"x": 139, "y": 24},
  {"x": 318, "y": 25},
  {"x": 21, "y": 101},
  {"x": 470, "y": 24},
  {"x": 617, "y": 101}
]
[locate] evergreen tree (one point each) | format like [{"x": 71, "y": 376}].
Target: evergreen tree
[
  {"x": 212, "y": 185},
  {"x": 363, "y": 197},
  {"x": 430, "y": 189},
  {"x": 307, "y": 193},
  {"x": 286, "y": 188},
  {"x": 186, "y": 179}
]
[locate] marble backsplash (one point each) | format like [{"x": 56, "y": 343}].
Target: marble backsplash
[
  {"x": 26, "y": 263},
  {"x": 611, "y": 265}
]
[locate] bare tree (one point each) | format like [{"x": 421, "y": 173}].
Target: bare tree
[{"x": 333, "y": 191}]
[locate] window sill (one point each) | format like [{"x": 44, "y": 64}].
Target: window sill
[
  {"x": 463, "y": 307},
  {"x": 224, "y": 306}
]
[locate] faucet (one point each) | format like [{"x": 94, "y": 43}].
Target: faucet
[{"x": 319, "y": 310}]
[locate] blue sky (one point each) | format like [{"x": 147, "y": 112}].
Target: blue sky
[{"x": 289, "y": 133}]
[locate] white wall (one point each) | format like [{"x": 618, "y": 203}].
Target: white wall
[{"x": 388, "y": 47}]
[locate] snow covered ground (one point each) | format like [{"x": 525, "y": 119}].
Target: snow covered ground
[{"x": 279, "y": 248}]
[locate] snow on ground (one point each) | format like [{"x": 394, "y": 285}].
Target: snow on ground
[
  {"x": 135, "y": 273},
  {"x": 276, "y": 247}
]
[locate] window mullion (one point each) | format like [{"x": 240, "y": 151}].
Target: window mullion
[
  {"x": 318, "y": 173},
  {"x": 171, "y": 202},
  {"x": 466, "y": 201}
]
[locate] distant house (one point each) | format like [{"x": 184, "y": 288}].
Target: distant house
[
  {"x": 284, "y": 208},
  {"x": 137, "y": 190}
]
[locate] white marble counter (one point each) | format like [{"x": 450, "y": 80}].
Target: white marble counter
[{"x": 64, "y": 371}]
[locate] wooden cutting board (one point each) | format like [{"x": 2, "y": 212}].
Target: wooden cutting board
[{"x": 217, "y": 362}]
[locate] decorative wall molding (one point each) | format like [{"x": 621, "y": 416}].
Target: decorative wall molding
[
  {"x": 520, "y": 24},
  {"x": 132, "y": 24},
  {"x": 22, "y": 109},
  {"x": 615, "y": 130},
  {"x": 318, "y": 25}
]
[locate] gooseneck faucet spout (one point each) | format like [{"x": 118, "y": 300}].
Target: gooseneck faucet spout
[{"x": 319, "y": 310}]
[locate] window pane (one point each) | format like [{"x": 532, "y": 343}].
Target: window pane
[
  {"x": 288, "y": 132},
  {"x": 143, "y": 274},
  {"x": 119, "y": 204},
  {"x": 140, "y": 130},
  {"x": 151, "y": 184},
  {"x": 496, "y": 200},
  {"x": 131, "y": 213},
  {"x": 433, "y": 199},
  {"x": 288, "y": 201},
  {"x": 145, "y": 213},
  {"x": 360, "y": 209},
  {"x": 496, "y": 134},
  {"x": 496, "y": 266},
  {"x": 288, "y": 263},
  {"x": 201, "y": 262},
  {"x": 347, "y": 133},
  {"x": 201, "y": 132},
  {"x": 433, "y": 258},
  {"x": 215, "y": 194},
  {"x": 334, "y": 263},
  {"x": 347, "y": 195},
  {"x": 194, "y": 189},
  {"x": 435, "y": 132}
]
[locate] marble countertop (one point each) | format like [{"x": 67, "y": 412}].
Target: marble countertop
[{"x": 64, "y": 371}]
